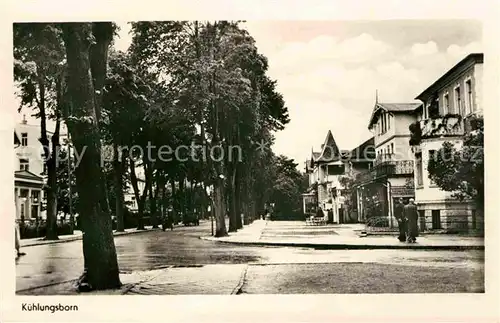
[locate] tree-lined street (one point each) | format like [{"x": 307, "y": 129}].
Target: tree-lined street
[{"x": 182, "y": 124}]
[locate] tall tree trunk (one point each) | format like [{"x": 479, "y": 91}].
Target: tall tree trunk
[
  {"x": 118, "y": 167},
  {"x": 175, "y": 205},
  {"x": 182, "y": 197},
  {"x": 233, "y": 217},
  {"x": 219, "y": 209},
  {"x": 237, "y": 196},
  {"x": 51, "y": 227},
  {"x": 152, "y": 203},
  {"x": 51, "y": 188},
  {"x": 99, "y": 250}
]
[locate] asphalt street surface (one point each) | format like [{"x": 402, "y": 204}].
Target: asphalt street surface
[{"x": 264, "y": 269}]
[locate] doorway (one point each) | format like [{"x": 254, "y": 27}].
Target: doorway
[{"x": 436, "y": 219}]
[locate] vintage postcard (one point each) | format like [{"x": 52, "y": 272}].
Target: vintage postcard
[{"x": 313, "y": 161}]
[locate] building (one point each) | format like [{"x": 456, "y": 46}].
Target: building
[
  {"x": 326, "y": 169},
  {"x": 30, "y": 174},
  {"x": 129, "y": 195},
  {"x": 448, "y": 104},
  {"x": 391, "y": 176}
]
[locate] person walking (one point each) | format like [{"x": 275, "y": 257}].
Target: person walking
[
  {"x": 411, "y": 215},
  {"x": 398, "y": 214},
  {"x": 17, "y": 241},
  {"x": 330, "y": 215}
]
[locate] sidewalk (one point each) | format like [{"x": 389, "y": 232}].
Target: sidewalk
[
  {"x": 171, "y": 280},
  {"x": 77, "y": 235},
  {"x": 297, "y": 234}
]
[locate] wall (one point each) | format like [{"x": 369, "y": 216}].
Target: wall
[
  {"x": 32, "y": 152},
  {"x": 398, "y": 135},
  {"x": 474, "y": 73},
  {"x": 391, "y": 131},
  {"x": 402, "y": 149},
  {"x": 477, "y": 87},
  {"x": 403, "y": 122}
]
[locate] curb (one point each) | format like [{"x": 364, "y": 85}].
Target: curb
[
  {"x": 115, "y": 234},
  {"x": 343, "y": 246}
]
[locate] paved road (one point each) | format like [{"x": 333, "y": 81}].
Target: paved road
[{"x": 265, "y": 269}]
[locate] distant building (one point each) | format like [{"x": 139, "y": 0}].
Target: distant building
[
  {"x": 448, "y": 105},
  {"x": 325, "y": 170},
  {"x": 30, "y": 173}
]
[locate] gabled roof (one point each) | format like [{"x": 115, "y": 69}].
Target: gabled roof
[
  {"x": 329, "y": 150},
  {"x": 394, "y": 108},
  {"x": 469, "y": 60}
]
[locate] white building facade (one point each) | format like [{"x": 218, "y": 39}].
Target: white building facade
[{"x": 448, "y": 105}]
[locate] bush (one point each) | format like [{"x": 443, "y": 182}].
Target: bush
[{"x": 34, "y": 230}]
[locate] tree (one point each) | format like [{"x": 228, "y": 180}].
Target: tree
[
  {"x": 461, "y": 170},
  {"x": 66, "y": 185},
  {"x": 86, "y": 47},
  {"x": 39, "y": 69},
  {"x": 213, "y": 74}
]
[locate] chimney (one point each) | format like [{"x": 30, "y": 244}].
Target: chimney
[{"x": 24, "y": 119}]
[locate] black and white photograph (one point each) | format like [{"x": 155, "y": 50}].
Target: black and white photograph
[{"x": 247, "y": 157}]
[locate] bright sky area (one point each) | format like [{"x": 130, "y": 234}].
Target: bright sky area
[{"x": 329, "y": 71}]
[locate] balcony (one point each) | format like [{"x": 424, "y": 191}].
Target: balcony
[
  {"x": 447, "y": 126},
  {"x": 394, "y": 167},
  {"x": 388, "y": 167}
]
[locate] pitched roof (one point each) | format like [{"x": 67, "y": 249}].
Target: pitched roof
[
  {"x": 364, "y": 152},
  {"x": 399, "y": 107},
  {"x": 329, "y": 150},
  {"x": 392, "y": 107},
  {"x": 471, "y": 59}
]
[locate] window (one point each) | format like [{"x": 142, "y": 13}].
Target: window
[
  {"x": 468, "y": 93},
  {"x": 392, "y": 148},
  {"x": 458, "y": 101},
  {"x": 446, "y": 107},
  {"x": 24, "y": 164},
  {"x": 419, "y": 172},
  {"x": 24, "y": 139},
  {"x": 388, "y": 121}
]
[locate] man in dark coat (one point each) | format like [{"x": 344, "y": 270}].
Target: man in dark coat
[
  {"x": 411, "y": 215},
  {"x": 330, "y": 215},
  {"x": 398, "y": 214}
]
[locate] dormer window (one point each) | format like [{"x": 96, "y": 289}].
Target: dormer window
[{"x": 24, "y": 139}]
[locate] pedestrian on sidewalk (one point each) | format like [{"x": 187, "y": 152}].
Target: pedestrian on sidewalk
[
  {"x": 411, "y": 215},
  {"x": 17, "y": 241},
  {"x": 402, "y": 224},
  {"x": 330, "y": 216}
]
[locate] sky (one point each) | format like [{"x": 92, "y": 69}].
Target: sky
[{"x": 329, "y": 71}]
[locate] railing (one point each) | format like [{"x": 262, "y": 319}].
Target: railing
[
  {"x": 387, "y": 168},
  {"x": 445, "y": 126}
]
